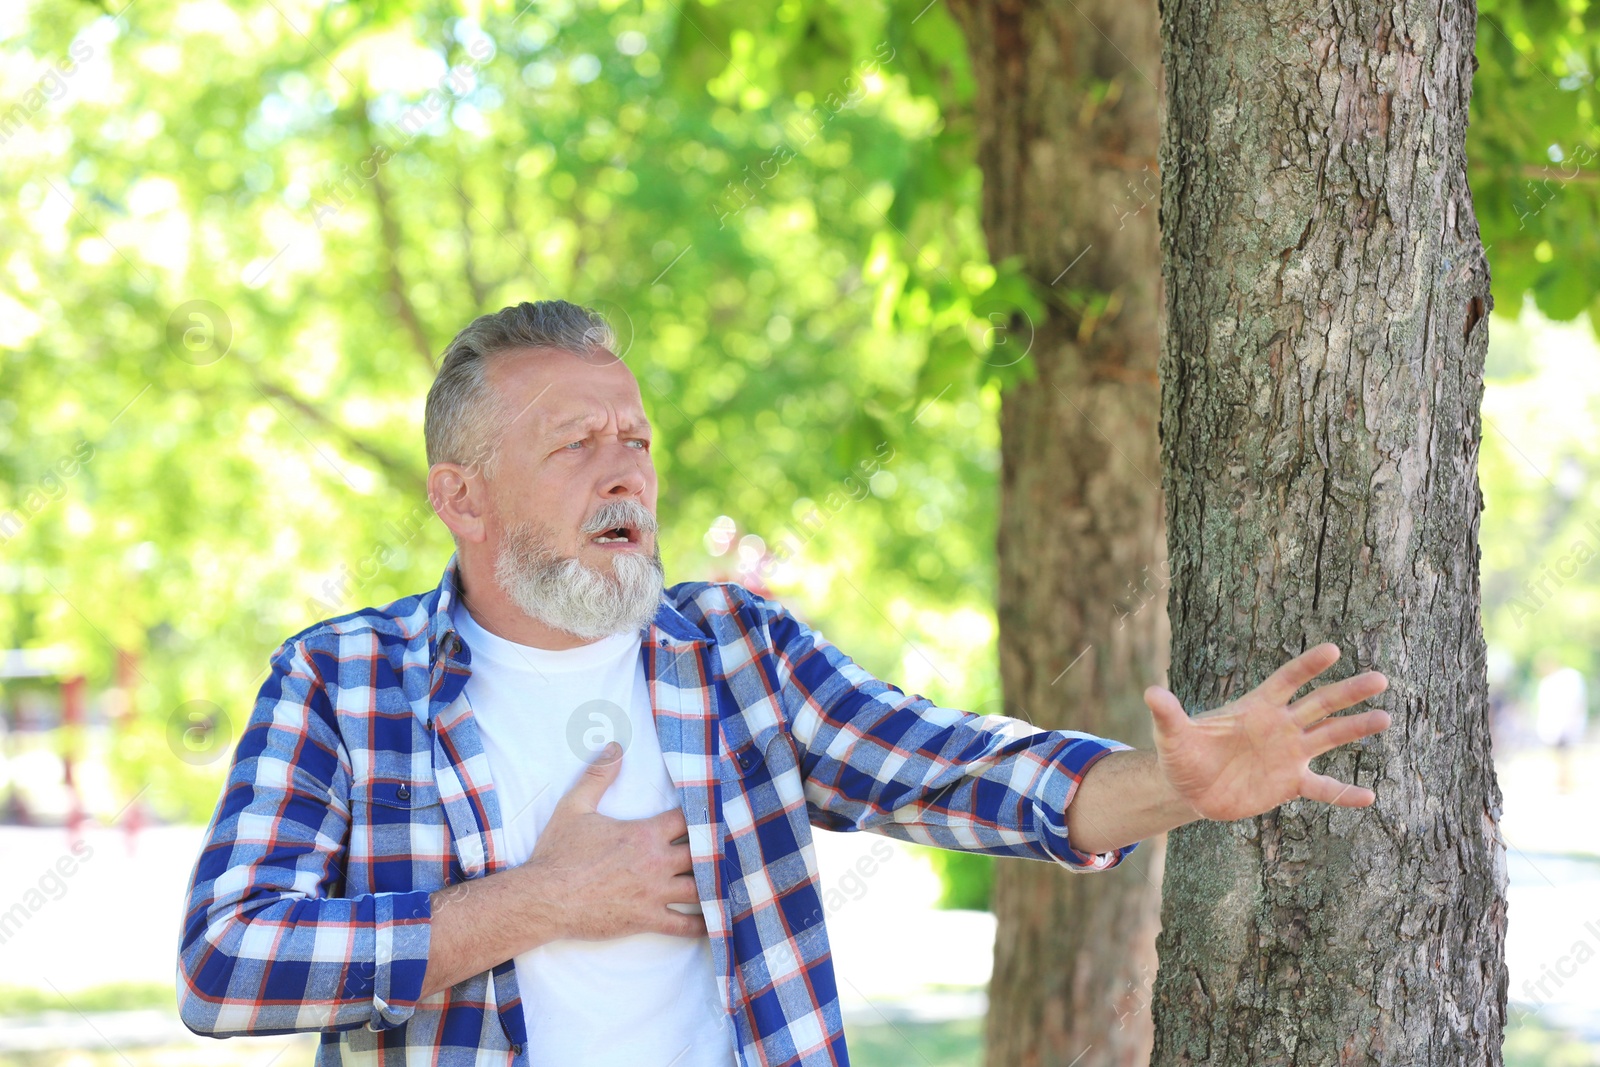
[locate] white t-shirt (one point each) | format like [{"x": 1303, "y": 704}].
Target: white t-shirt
[{"x": 647, "y": 1000}]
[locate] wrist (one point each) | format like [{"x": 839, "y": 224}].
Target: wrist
[
  {"x": 1174, "y": 808},
  {"x": 536, "y": 915}
]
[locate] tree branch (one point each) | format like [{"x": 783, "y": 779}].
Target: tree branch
[
  {"x": 389, "y": 229},
  {"x": 1537, "y": 171},
  {"x": 399, "y": 471},
  {"x": 480, "y": 292},
  {"x": 508, "y": 205}
]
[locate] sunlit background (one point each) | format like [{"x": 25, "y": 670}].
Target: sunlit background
[{"x": 233, "y": 239}]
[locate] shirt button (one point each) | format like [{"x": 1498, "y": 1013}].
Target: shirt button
[
  {"x": 404, "y": 792},
  {"x": 747, "y": 759}
]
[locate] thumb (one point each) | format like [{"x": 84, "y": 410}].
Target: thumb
[
  {"x": 596, "y": 778},
  {"x": 1164, "y": 708}
]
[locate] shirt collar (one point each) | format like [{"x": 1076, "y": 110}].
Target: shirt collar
[
  {"x": 441, "y": 631},
  {"x": 670, "y": 627}
]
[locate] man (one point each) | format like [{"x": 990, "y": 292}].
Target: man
[
  {"x": 548, "y": 813},
  {"x": 1561, "y": 712}
]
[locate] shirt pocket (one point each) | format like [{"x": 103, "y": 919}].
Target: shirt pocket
[
  {"x": 764, "y": 766},
  {"x": 399, "y": 838},
  {"x": 742, "y": 756}
]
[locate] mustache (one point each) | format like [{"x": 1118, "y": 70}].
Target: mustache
[{"x": 614, "y": 513}]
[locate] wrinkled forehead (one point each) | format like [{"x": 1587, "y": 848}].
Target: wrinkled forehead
[{"x": 551, "y": 390}]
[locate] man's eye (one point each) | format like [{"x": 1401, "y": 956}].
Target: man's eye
[
  {"x": 573, "y": 447},
  {"x": 639, "y": 443}
]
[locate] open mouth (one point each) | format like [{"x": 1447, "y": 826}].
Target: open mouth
[{"x": 616, "y": 535}]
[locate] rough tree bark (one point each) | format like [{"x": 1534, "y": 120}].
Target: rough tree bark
[
  {"x": 1067, "y": 114},
  {"x": 1327, "y": 293}
]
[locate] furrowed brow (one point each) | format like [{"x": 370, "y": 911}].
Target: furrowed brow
[{"x": 567, "y": 427}]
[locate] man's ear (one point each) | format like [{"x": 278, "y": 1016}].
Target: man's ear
[{"x": 460, "y": 497}]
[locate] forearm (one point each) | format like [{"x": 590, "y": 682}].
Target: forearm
[
  {"x": 478, "y": 925},
  {"x": 232, "y": 955},
  {"x": 1124, "y": 797}
]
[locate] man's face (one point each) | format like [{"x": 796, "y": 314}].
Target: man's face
[
  {"x": 571, "y": 522},
  {"x": 575, "y": 438}
]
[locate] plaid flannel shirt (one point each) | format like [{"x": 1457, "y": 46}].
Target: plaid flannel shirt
[{"x": 360, "y": 786}]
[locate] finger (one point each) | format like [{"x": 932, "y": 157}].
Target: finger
[
  {"x": 678, "y": 924},
  {"x": 1332, "y": 733},
  {"x": 681, "y": 860},
  {"x": 1332, "y": 791},
  {"x": 1325, "y": 700},
  {"x": 681, "y": 890},
  {"x": 1288, "y": 679},
  {"x": 669, "y": 825},
  {"x": 1165, "y": 709},
  {"x": 591, "y": 785}
]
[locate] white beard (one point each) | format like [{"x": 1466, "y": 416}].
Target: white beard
[{"x": 563, "y": 593}]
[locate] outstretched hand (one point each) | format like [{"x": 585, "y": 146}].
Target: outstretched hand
[{"x": 1253, "y": 754}]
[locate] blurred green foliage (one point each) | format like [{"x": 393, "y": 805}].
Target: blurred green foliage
[
  {"x": 1541, "y": 522},
  {"x": 1533, "y": 149},
  {"x": 239, "y": 236},
  {"x": 236, "y": 235},
  {"x": 22, "y": 1000},
  {"x": 967, "y": 878}
]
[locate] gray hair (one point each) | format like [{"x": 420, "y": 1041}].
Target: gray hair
[{"x": 461, "y": 416}]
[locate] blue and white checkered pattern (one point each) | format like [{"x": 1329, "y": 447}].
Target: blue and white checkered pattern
[{"x": 360, "y": 786}]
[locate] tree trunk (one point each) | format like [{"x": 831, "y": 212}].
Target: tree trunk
[
  {"x": 1327, "y": 293},
  {"x": 1068, "y": 126}
]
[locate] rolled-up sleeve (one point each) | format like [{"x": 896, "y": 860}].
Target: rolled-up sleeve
[
  {"x": 268, "y": 946},
  {"x": 874, "y": 758}
]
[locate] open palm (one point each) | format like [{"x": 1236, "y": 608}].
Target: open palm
[{"x": 1253, "y": 754}]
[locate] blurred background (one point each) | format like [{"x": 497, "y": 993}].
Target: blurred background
[{"x": 234, "y": 236}]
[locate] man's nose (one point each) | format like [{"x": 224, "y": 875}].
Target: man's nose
[{"x": 628, "y": 478}]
